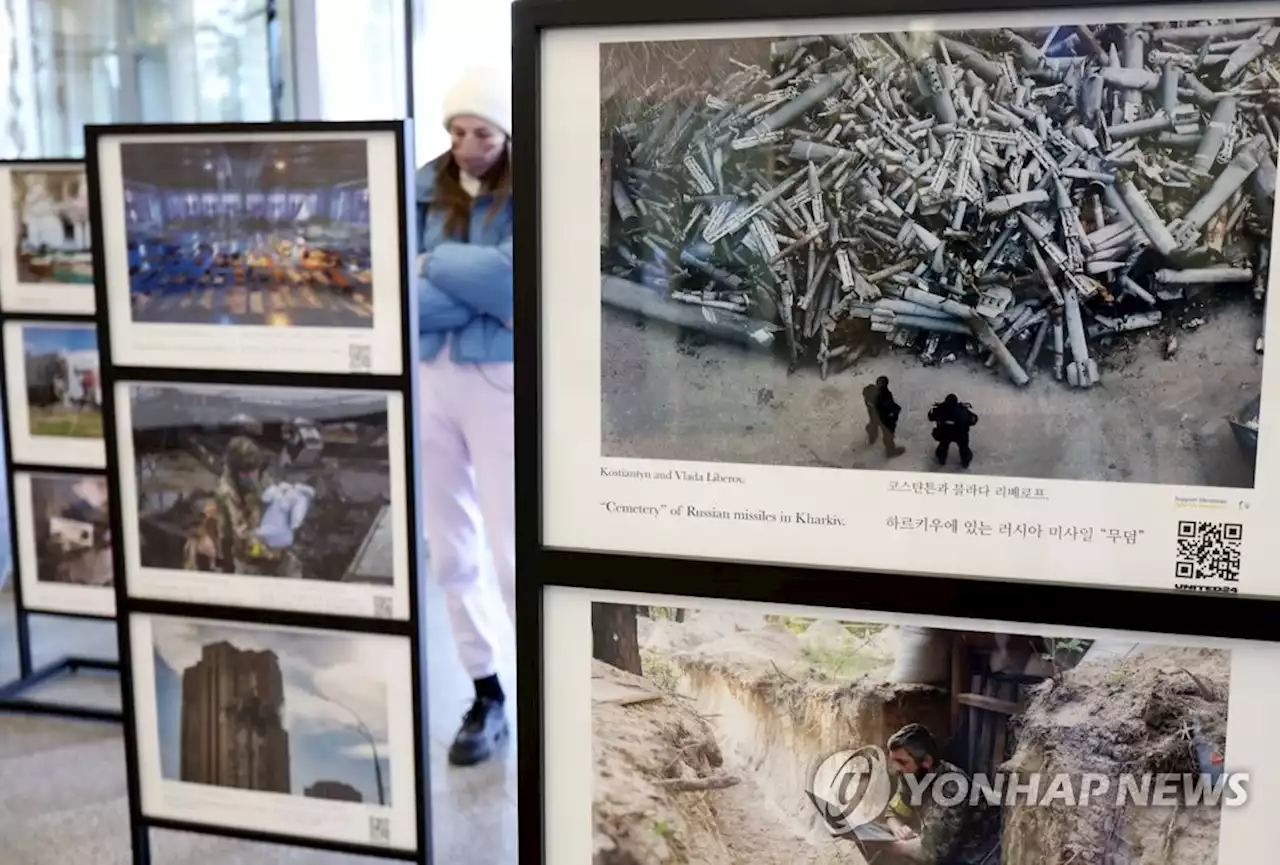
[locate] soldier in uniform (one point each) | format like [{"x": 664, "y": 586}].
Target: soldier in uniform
[
  {"x": 239, "y": 497},
  {"x": 929, "y": 832},
  {"x": 882, "y": 415},
  {"x": 952, "y": 421}
]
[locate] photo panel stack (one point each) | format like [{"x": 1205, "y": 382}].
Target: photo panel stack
[
  {"x": 911, "y": 310},
  {"x": 53, "y": 387},
  {"x": 977, "y": 295},
  {"x": 256, "y": 510}
]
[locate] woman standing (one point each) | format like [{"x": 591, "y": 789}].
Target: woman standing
[{"x": 467, "y": 402}]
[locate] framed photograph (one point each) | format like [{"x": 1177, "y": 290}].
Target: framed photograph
[
  {"x": 46, "y": 261},
  {"x": 291, "y": 731},
  {"x": 964, "y": 294},
  {"x": 54, "y": 388},
  {"x": 288, "y": 246},
  {"x": 265, "y": 497},
  {"x": 64, "y": 543},
  {"x": 780, "y": 734}
]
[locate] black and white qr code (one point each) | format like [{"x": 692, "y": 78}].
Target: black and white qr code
[
  {"x": 379, "y": 830},
  {"x": 360, "y": 357},
  {"x": 382, "y": 607},
  {"x": 1208, "y": 556}
]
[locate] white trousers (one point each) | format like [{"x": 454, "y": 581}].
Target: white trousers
[{"x": 468, "y": 480}]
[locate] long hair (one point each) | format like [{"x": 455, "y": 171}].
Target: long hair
[{"x": 450, "y": 197}]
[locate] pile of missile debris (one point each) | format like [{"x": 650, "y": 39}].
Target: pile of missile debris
[{"x": 1025, "y": 196}]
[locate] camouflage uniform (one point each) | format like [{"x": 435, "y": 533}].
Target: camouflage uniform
[
  {"x": 239, "y": 515},
  {"x": 960, "y": 834}
]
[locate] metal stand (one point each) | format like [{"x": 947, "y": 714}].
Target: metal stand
[{"x": 13, "y": 694}]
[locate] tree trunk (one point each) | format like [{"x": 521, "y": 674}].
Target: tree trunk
[{"x": 613, "y": 636}]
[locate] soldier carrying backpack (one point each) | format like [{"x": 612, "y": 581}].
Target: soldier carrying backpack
[{"x": 952, "y": 421}]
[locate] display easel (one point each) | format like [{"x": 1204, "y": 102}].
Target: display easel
[
  {"x": 544, "y": 35},
  {"x": 246, "y": 371},
  {"x": 15, "y": 696}
]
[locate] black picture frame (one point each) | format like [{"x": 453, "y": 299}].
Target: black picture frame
[
  {"x": 14, "y": 695},
  {"x": 405, "y": 384},
  {"x": 964, "y": 597}
]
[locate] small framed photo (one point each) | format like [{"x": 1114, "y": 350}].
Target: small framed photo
[
  {"x": 46, "y": 260},
  {"x": 288, "y": 246},
  {"x": 265, "y": 497},
  {"x": 291, "y": 731},
  {"x": 54, "y": 393},
  {"x": 64, "y": 543}
]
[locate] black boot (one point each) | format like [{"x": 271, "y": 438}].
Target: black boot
[{"x": 484, "y": 730}]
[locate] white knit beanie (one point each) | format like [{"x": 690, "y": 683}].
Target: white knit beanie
[{"x": 483, "y": 92}]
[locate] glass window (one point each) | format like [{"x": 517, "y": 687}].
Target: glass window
[{"x": 117, "y": 61}]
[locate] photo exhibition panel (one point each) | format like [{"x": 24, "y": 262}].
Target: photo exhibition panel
[
  {"x": 54, "y": 391},
  {"x": 46, "y": 264},
  {"x": 283, "y": 247},
  {"x": 64, "y": 543},
  {"x": 265, "y": 497},
  {"x": 981, "y": 295},
  {"x": 291, "y": 731},
  {"x": 739, "y": 731}
]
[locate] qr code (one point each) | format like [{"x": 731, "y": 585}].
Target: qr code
[
  {"x": 379, "y": 830},
  {"x": 360, "y": 357},
  {"x": 1208, "y": 551},
  {"x": 382, "y": 608}
]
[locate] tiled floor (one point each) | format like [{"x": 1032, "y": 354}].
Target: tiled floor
[{"x": 474, "y": 810}]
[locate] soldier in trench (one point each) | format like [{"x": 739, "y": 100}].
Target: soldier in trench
[{"x": 927, "y": 831}]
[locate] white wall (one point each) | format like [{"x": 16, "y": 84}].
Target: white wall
[{"x": 453, "y": 35}]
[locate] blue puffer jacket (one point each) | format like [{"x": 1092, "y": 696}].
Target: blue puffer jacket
[{"x": 464, "y": 295}]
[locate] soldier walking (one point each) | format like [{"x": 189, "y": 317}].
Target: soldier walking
[
  {"x": 952, "y": 421},
  {"x": 882, "y": 415}
]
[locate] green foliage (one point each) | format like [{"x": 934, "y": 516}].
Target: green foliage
[
  {"x": 794, "y": 624},
  {"x": 659, "y": 670},
  {"x": 842, "y": 663},
  {"x": 1064, "y": 652}
]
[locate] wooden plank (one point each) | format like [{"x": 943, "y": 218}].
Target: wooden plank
[
  {"x": 959, "y": 671},
  {"x": 1002, "y": 733},
  {"x": 991, "y": 704},
  {"x": 988, "y": 723},
  {"x": 622, "y": 695}
]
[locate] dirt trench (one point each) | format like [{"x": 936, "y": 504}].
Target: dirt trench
[
  {"x": 762, "y": 712},
  {"x": 706, "y": 758},
  {"x": 1142, "y": 713}
]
